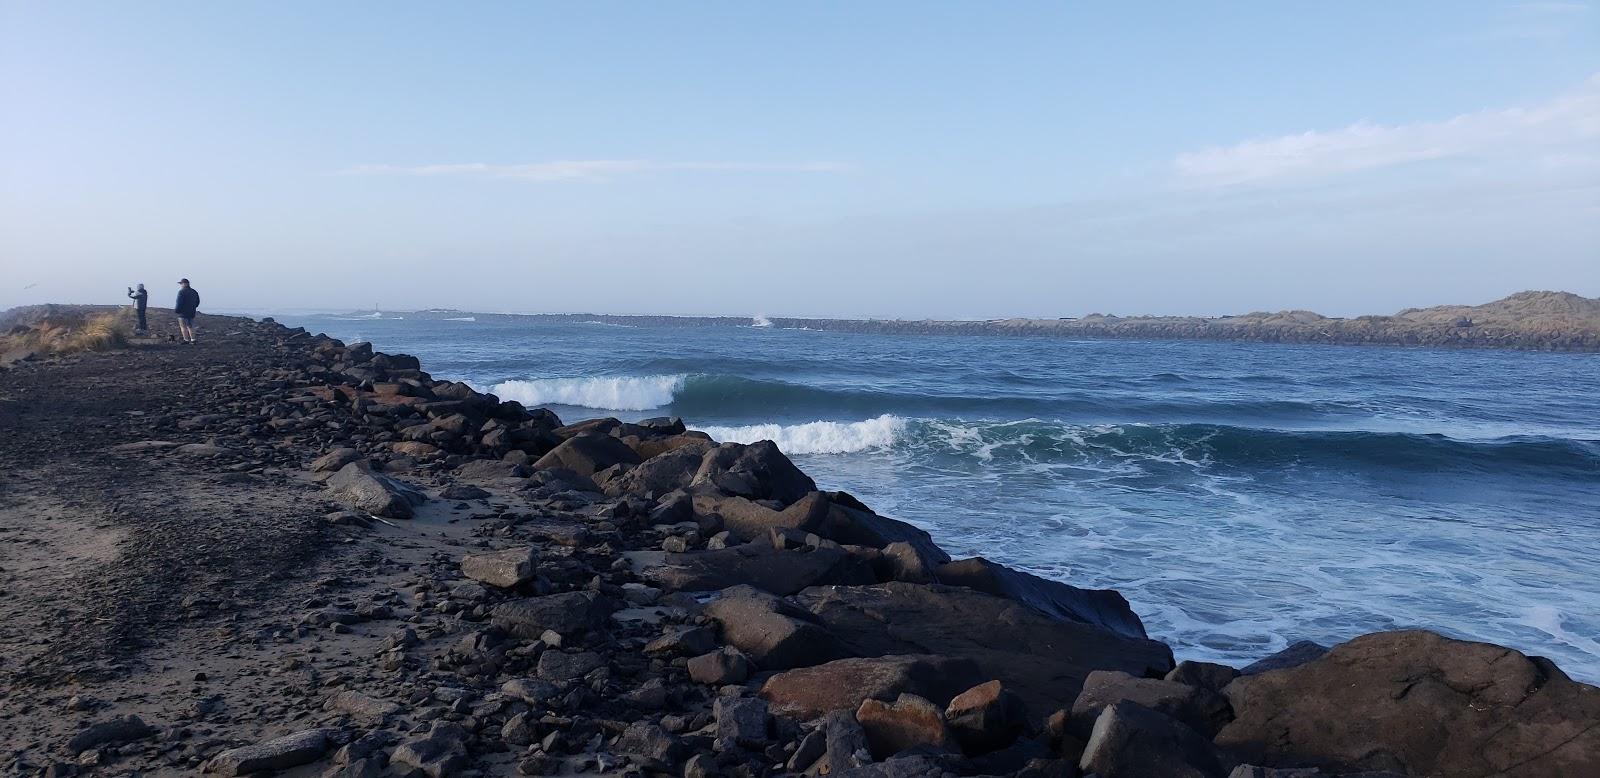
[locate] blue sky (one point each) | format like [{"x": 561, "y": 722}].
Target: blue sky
[{"x": 883, "y": 159}]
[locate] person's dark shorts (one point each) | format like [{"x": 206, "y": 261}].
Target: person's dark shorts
[{"x": 188, "y": 321}]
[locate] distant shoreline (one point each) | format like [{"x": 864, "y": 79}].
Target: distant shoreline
[{"x": 1527, "y": 321}]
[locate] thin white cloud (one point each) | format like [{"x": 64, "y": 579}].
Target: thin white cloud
[
  {"x": 1513, "y": 135},
  {"x": 588, "y": 169}
]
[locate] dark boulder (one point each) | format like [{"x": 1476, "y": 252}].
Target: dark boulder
[
  {"x": 1045, "y": 660},
  {"x": 490, "y": 471},
  {"x": 906, "y": 723},
  {"x": 758, "y": 471},
  {"x": 660, "y": 475},
  {"x": 1202, "y": 710},
  {"x": 1132, "y": 741},
  {"x": 588, "y": 453},
  {"x": 986, "y": 717},
  {"x": 773, "y": 633},
  {"x": 851, "y": 522},
  {"x": 1298, "y": 653},
  {"x": 1104, "y": 608},
  {"x": 1206, "y": 675},
  {"x": 1418, "y": 703},
  {"x": 759, "y": 565},
  {"x": 568, "y": 614},
  {"x": 374, "y": 493}
]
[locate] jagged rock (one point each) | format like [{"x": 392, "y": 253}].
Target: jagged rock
[
  {"x": 462, "y": 492},
  {"x": 846, "y": 744},
  {"x": 116, "y": 730},
  {"x": 758, "y": 471},
  {"x": 749, "y": 521},
  {"x": 561, "y": 667},
  {"x": 533, "y": 691},
  {"x": 362, "y": 706},
  {"x": 908, "y": 722},
  {"x": 490, "y": 471},
  {"x": 1129, "y": 740},
  {"x": 374, "y": 493},
  {"x": 843, "y": 684},
  {"x": 774, "y": 635},
  {"x": 414, "y": 448},
  {"x": 905, "y": 563},
  {"x": 334, "y": 460},
  {"x": 649, "y": 740},
  {"x": 1298, "y": 653},
  {"x": 1101, "y": 607},
  {"x": 506, "y": 568},
  {"x": 439, "y": 753},
  {"x": 986, "y": 718},
  {"x": 852, "y": 523},
  {"x": 1042, "y": 659},
  {"x": 691, "y": 641},
  {"x": 588, "y": 453},
  {"x": 276, "y": 754},
  {"x": 1206, "y": 675},
  {"x": 1418, "y": 703},
  {"x": 566, "y": 613},
  {"x": 742, "y": 721},
  {"x": 759, "y": 565},
  {"x": 716, "y": 668},
  {"x": 1202, "y": 710}
]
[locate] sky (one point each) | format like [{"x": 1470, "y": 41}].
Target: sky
[{"x": 894, "y": 160}]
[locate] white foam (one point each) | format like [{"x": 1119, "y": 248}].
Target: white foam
[
  {"x": 817, "y": 437},
  {"x": 611, "y": 393},
  {"x": 463, "y": 318},
  {"x": 760, "y": 321}
]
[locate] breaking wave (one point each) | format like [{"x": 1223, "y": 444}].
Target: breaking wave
[
  {"x": 610, "y": 393},
  {"x": 817, "y": 437}
]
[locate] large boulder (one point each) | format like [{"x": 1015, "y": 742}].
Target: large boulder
[
  {"x": 1100, "y": 607},
  {"x": 852, "y": 522},
  {"x": 661, "y": 474},
  {"x": 1044, "y": 659},
  {"x": 1294, "y": 655},
  {"x": 1132, "y": 741},
  {"x": 335, "y": 459},
  {"x": 843, "y": 684},
  {"x": 1203, "y": 710},
  {"x": 773, "y": 633},
  {"x": 748, "y": 520},
  {"x": 569, "y": 613},
  {"x": 490, "y": 471},
  {"x": 758, "y": 471},
  {"x": 505, "y": 568},
  {"x": 588, "y": 453},
  {"x": 760, "y": 565},
  {"x": 1418, "y": 703},
  {"x": 374, "y": 493},
  {"x": 276, "y": 754}
]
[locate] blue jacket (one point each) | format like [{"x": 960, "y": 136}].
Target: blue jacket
[{"x": 188, "y": 302}]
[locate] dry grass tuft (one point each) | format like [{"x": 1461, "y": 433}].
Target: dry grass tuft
[{"x": 72, "y": 333}]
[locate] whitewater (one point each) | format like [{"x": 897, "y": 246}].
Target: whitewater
[{"x": 1241, "y": 496}]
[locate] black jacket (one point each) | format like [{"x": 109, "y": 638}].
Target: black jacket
[
  {"x": 140, "y": 298},
  {"x": 188, "y": 302}
]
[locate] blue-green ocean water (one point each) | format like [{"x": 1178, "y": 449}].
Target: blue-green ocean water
[{"x": 1241, "y": 496}]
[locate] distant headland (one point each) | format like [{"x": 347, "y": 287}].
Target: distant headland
[{"x": 1533, "y": 321}]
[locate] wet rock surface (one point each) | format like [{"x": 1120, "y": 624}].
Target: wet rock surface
[{"x": 316, "y": 559}]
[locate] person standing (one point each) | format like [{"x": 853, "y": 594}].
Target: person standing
[
  {"x": 140, "y": 299},
  {"x": 188, "y": 304}
]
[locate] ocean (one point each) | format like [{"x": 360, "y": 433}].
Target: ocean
[{"x": 1241, "y": 496}]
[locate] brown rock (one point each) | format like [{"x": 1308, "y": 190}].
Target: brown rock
[
  {"x": 987, "y": 717},
  {"x": 588, "y": 453},
  {"x": 908, "y": 722},
  {"x": 1418, "y": 703},
  {"x": 775, "y": 635},
  {"x": 506, "y": 568},
  {"x": 759, "y": 565},
  {"x": 719, "y": 668},
  {"x": 843, "y": 684}
]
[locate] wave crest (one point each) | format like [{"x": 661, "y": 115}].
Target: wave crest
[
  {"x": 817, "y": 437},
  {"x": 610, "y": 393}
]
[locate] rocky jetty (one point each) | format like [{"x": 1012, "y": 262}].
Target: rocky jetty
[
  {"x": 276, "y": 553},
  {"x": 1530, "y": 321}
]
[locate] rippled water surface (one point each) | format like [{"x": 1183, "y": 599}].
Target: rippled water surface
[{"x": 1241, "y": 496}]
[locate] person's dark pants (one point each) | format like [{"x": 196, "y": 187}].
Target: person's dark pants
[{"x": 142, "y": 325}]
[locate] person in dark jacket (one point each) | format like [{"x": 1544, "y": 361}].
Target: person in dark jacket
[
  {"x": 140, "y": 299},
  {"x": 188, "y": 304}
]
